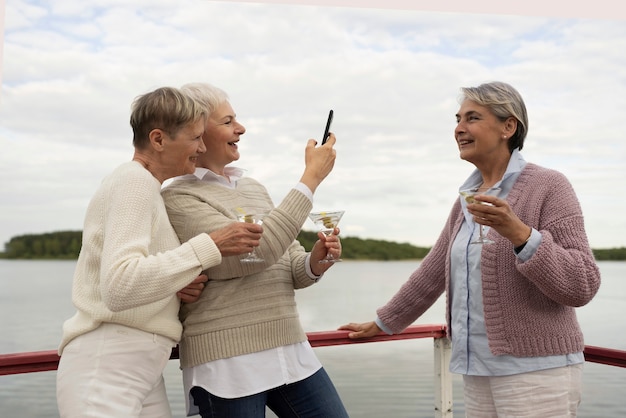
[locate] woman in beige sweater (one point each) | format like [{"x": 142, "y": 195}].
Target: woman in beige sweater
[{"x": 243, "y": 347}]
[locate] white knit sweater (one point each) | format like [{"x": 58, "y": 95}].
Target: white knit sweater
[{"x": 131, "y": 263}]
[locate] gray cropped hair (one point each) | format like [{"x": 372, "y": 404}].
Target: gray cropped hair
[
  {"x": 165, "y": 108},
  {"x": 504, "y": 101}
]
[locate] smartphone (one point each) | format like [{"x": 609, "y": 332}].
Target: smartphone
[{"x": 328, "y": 123}]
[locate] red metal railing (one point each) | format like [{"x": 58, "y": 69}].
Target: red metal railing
[
  {"x": 41, "y": 361},
  {"x": 607, "y": 356}
]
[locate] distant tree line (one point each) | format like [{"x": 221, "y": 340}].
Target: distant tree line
[
  {"x": 610, "y": 254},
  {"x": 53, "y": 245},
  {"x": 66, "y": 245},
  {"x": 368, "y": 249}
]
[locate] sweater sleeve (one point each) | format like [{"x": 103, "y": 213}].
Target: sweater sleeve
[
  {"x": 298, "y": 257},
  {"x": 142, "y": 261},
  {"x": 424, "y": 286},
  {"x": 194, "y": 207},
  {"x": 563, "y": 267}
]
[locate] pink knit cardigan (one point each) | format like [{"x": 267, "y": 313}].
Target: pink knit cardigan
[{"x": 528, "y": 306}]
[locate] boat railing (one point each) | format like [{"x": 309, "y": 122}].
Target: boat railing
[{"x": 40, "y": 361}]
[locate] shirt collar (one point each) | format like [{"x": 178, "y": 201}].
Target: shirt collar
[
  {"x": 229, "y": 179},
  {"x": 515, "y": 165}
]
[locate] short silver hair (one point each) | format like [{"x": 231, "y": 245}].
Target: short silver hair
[{"x": 209, "y": 96}]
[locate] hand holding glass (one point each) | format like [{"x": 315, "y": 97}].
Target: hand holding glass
[
  {"x": 468, "y": 195},
  {"x": 327, "y": 222},
  {"x": 251, "y": 215}
]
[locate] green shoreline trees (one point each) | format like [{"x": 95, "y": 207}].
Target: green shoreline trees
[{"x": 65, "y": 245}]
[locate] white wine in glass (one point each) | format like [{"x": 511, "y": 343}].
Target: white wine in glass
[
  {"x": 327, "y": 222},
  {"x": 468, "y": 195},
  {"x": 252, "y": 215}
]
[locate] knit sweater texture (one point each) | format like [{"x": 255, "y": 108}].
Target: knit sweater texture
[
  {"x": 528, "y": 306},
  {"x": 131, "y": 263},
  {"x": 245, "y": 308}
]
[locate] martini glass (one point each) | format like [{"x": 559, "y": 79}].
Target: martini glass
[
  {"x": 327, "y": 222},
  {"x": 468, "y": 195},
  {"x": 251, "y": 215}
]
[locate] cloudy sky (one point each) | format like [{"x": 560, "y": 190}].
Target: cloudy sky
[{"x": 71, "y": 68}]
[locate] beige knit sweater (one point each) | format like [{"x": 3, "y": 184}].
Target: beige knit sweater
[
  {"x": 131, "y": 263},
  {"x": 245, "y": 308}
]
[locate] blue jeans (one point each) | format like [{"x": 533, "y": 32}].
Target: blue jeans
[{"x": 313, "y": 397}]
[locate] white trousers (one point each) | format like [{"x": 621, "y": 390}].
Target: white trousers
[
  {"x": 114, "y": 371},
  {"x": 551, "y": 393}
]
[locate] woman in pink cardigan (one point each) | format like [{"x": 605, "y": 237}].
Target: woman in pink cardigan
[{"x": 510, "y": 304}]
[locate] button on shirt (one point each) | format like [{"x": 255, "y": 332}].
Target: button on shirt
[
  {"x": 253, "y": 373},
  {"x": 470, "y": 348}
]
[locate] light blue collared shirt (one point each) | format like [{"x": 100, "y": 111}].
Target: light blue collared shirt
[{"x": 470, "y": 349}]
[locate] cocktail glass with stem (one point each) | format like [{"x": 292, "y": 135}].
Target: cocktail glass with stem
[
  {"x": 468, "y": 195},
  {"x": 327, "y": 221},
  {"x": 251, "y": 215}
]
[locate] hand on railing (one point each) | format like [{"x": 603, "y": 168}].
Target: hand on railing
[{"x": 363, "y": 330}]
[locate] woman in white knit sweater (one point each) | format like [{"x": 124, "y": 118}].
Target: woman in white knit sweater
[
  {"x": 243, "y": 347},
  {"x": 132, "y": 270}
]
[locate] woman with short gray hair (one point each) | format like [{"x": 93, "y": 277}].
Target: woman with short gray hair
[{"x": 510, "y": 303}]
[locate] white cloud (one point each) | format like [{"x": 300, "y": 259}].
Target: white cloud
[{"x": 71, "y": 70}]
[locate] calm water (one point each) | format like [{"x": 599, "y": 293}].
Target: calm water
[{"x": 392, "y": 379}]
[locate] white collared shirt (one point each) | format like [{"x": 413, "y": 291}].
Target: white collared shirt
[{"x": 253, "y": 373}]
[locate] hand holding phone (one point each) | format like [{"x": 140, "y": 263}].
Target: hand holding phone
[{"x": 328, "y": 123}]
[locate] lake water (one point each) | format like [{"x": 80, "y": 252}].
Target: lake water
[{"x": 387, "y": 379}]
